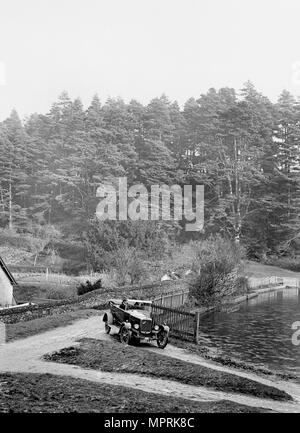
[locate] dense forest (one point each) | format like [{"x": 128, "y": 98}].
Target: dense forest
[{"x": 244, "y": 149}]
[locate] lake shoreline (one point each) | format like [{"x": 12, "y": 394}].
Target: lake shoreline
[
  {"x": 238, "y": 300},
  {"x": 216, "y": 355}
]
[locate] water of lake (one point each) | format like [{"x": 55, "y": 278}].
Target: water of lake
[{"x": 260, "y": 332}]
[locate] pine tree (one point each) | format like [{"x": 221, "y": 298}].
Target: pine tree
[{"x": 15, "y": 165}]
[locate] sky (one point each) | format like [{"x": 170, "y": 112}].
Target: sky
[{"x": 139, "y": 49}]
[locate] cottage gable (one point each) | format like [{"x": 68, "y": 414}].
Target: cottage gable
[{"x": 6, "y": 286}]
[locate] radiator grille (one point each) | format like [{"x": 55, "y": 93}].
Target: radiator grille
[{"x": 146, "y": 325}]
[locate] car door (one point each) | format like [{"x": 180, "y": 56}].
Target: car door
[{"x": 120, "y": 315}]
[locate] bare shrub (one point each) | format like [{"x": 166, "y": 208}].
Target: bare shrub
[
  {"x": 151, "y": 238},
  {"x": 217, "y": 264},
  {"x": 129, "y": 265}
]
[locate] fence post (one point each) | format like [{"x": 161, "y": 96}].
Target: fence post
[{"x": 196, "y": 327}]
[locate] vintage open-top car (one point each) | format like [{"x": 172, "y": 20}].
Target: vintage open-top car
[{"x": 134, "y": 322}]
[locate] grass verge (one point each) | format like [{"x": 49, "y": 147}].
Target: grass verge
[
  {"x": 19, "y": 330},
  {"x": 259, "y": 270},
  {"x": 25, "y": 292},
  {"x": 35, "y": 393},
  {"x": 205, "y": 352},
  {"x": 112, "y": 356}
]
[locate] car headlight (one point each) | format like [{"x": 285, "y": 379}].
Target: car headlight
[
  {"x": 136, "y": 326},
  {"x": 156, "y": 327}
]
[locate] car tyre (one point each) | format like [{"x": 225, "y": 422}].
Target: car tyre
[
  {"x": 162, "y": 339},
  {"x": 107, "y": 328},
  {"x": 125, "y": 335}
]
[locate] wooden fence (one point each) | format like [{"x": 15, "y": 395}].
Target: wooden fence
[
  {"x": 291, "y": 282},
  {"x": 172, "y": 300},
  {"x": 254, "y": 283},
  {"x": 35, "y": 269},
  {"x": 183, "y": 324}
]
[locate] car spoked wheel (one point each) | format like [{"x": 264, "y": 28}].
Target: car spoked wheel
[
  {"x": 162, "y": 339},
  {"x": 125, "y": 335},
  {"x": 107, "y": 328}
]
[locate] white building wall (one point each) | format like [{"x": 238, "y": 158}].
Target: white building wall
[
  {"x": 6, "y": 290},
  {"x": 2, "y": 333}
]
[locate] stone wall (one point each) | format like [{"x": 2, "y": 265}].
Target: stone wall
[
  {"x": 97, "y": 299},
  {"x": 23, "y": 314}
]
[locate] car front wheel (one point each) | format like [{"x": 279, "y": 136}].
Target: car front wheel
[
  {"x": 125, "y": 335},
  {"x": 162, "y": 339}
]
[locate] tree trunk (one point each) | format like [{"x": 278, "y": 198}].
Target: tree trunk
[
  {"x": 238, "y": 221},
  {"x": 10, "y": 220}
]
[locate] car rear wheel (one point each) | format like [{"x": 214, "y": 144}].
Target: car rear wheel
[
  {"x": 125, "y": 335},
  {"x": 162, "y": 339}
]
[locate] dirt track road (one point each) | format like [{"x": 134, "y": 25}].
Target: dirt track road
[{"x": 25, "y": 356}]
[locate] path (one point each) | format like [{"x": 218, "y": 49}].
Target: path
[{"x": 25, "y": 356}]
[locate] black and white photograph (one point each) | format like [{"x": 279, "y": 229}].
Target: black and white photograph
[{"x": 149, "y": 210}]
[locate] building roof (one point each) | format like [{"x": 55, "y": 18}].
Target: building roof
[{"x": 7, "y": 272}]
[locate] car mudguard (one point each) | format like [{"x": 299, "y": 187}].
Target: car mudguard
[
  {"x": 127, "y": 325},
  {"x": 108, "y": 317},
  {"x": 166, "y": 328}
]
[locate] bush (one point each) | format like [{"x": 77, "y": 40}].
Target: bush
[
  {"x": 109, "y": 279},
  {"x": 129, "y": 265},
  {"x": 70, "y": 250},
  {"x": 16, "y": 240},
  {"x": 34, "y": 240},
  {"x": 152, "y": 238},
  {"x": 88, "y": 287},
  {"x": 217, "y": 264}
]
